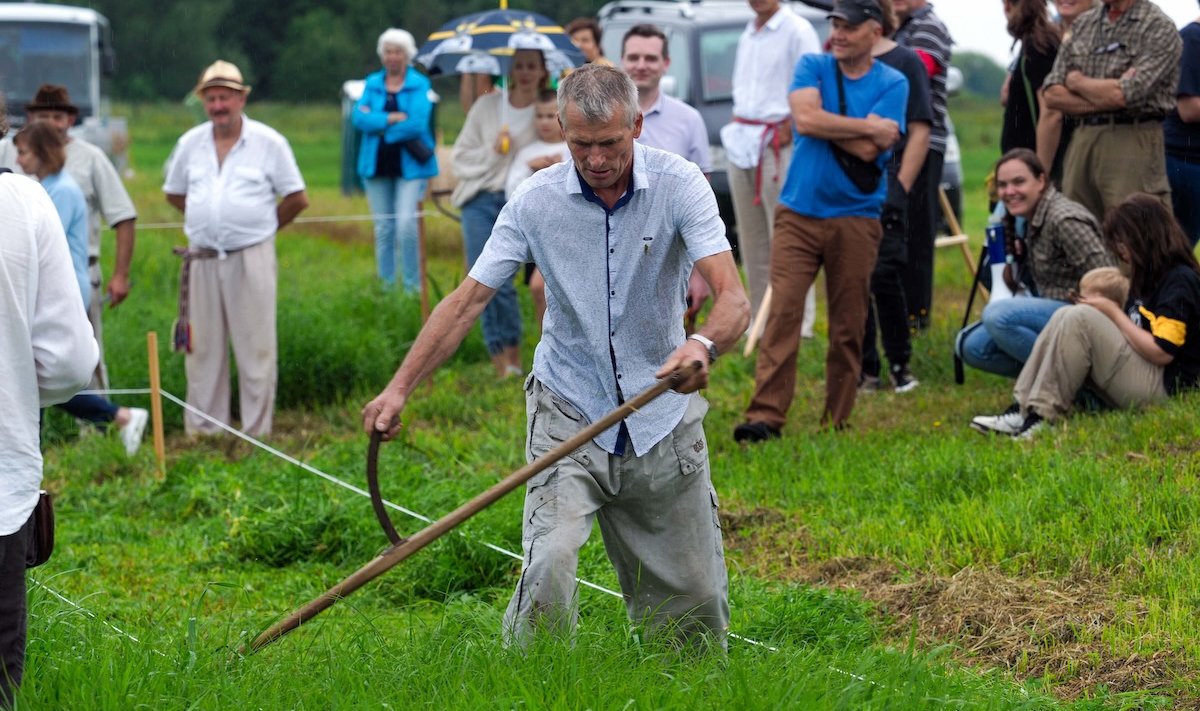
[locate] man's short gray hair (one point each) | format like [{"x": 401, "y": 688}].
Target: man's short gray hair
[
  {"x": 397, "y": 38},
  {"x": 598, "y": 91}
]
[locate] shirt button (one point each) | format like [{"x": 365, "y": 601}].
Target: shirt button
[
  {"x": 618, "y": 376},
  {"x": 612, "y": 293},
  {"x": 611, "y": 251}
]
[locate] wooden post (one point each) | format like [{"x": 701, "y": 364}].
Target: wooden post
[
  {"x": 160, "y": 450},
  {"x": 421, "y": 262},
  {"x": 955, "y": 231}
]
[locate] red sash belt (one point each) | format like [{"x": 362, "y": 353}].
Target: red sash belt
[{"x": 776, "y": 133}]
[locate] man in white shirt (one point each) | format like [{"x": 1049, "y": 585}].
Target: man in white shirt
[
  {"x": 106, "y": 197},
  {"x": 47, "y": 354},
  {"x": 225, "y": 176},
  {"x": 758, "y": 142}
]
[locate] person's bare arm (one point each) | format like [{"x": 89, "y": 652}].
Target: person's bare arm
[
  {"x": 118, "y": 283},
  {"x": 1189, "y": 108},
  {"x": 1060, "y": 98},
  {"x": 1141, "y": 340},
  {"x": 865, "y": 137},
  {"x": 1049, "y": 133},
  {"x": 179, "y": 202},
  {"x": 915, "y": 152},
  {"x": 289, "y": 207},
  {"x": 727, "y": 320},
  {"x": 437, "y": 341}
]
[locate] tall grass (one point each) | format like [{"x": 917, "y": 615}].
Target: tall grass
[{"x": 196, "y": 565}]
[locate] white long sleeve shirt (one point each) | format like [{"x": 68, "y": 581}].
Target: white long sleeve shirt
[{"x": 47, "y": 349}]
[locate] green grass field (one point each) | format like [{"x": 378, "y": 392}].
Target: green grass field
[{"x": 906, "y": 563}]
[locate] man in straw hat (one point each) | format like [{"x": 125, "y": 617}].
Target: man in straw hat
[
  {"x": 226, "y": 176},
  {"x": 615, "y": 232},
  {"x": 106, "y": 197}
]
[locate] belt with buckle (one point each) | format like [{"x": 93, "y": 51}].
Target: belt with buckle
[{"x": 1119, "y": 119}]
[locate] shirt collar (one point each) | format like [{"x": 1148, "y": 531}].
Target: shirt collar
[
  {"x": 1043, "y": 207},
  {"x": 773, "y": 23},
  {"x": 657, "y": 106},
  {"x": 637, "y": 181}
]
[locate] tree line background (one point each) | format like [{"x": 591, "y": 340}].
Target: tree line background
[{"x": 302, "y": 50}]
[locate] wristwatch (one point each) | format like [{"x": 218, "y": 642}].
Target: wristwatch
[{"x": 707, "y": 343}]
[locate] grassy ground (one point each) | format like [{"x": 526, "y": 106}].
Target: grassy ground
[{"x": 905, "y": 563}]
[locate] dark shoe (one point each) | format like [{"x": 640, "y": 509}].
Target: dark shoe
[
  {"x": 754, "y": 432},
  {"x": 1031, "y": 426},
  {"x": 903, "y": 378},
  {"x": 868, "y": 384}
]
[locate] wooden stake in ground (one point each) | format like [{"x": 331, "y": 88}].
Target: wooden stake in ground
[
  {"x": 156, "y": 421},
  {"x": 760, "y": 320},
  {"x": 957, "y": 235},
  {"x": 397, "y": 554},
  {"x": 421, "y": 262}
]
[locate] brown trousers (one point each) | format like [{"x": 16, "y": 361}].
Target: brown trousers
[{"x": 846, "y": 248}]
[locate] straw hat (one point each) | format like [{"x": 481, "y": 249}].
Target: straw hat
[{"x": 221, "y": 73}]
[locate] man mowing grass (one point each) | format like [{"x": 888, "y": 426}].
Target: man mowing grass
[{"x": 615, "y": 233}]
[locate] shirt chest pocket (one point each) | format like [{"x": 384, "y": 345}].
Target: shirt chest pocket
[{"x": 249, "y": 186}]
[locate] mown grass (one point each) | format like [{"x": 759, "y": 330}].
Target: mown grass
[{"x": 1105, "y": 508}]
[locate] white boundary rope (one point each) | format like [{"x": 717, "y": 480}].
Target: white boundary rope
[
  {"x": 361, "y": 492},
  {"x": 302, "y": 220}
]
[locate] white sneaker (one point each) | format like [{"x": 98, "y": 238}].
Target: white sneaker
[
  {"x": 134, "y": 430},
  {"x": 1008, "y": 423}
]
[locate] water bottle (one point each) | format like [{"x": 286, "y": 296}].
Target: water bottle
[{"x": 997, "y": 253}]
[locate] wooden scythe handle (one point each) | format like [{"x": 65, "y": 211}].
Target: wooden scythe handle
[{"x": 397, "y": 554}]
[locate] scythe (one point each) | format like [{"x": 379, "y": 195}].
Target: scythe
[{"x": 403, "y": 548}]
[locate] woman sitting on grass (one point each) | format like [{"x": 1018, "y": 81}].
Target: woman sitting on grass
[
  {"x": 1062, "y": 242},
  {"x": 1141, "y": 356}
]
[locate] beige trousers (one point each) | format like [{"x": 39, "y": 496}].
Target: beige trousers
[
  {"x": 231, "y": 301},
  {"x": 755, "y": 225},
  {"x": 1081, "y": 346}
]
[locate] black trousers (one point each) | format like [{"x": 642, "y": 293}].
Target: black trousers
[
  {"x": 889, "y": 312},
  {"x": 13, "y": 549},
  {"x": 922, "y": 220}
]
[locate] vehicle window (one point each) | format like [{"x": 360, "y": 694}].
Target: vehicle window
[
  {"x": 681, "y": 65},
  {"x": 717, "y": 49},
  {"x": 32, "y": 54}
]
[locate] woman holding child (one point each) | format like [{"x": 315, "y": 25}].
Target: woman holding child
[
  {"x": 1062, "y": 242},
  {"x": 1141, "y": 355},
  {"x": 490, "y": 138}
]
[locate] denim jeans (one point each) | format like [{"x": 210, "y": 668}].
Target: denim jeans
[
  {"x": 394, "y": 202},
  {"x": 1009, "y": 328},
  {"x": 92, "y": 408},
  {"x": 501, "y": 318},
  {"x": 1185, "y": 195}
]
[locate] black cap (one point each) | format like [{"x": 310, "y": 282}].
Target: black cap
[{"x": 856, "y": 12}]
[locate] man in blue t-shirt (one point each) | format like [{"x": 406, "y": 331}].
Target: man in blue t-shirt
[{"x": 848, "y": 112}]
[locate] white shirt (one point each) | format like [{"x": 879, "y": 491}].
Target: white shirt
[
  {"x": 231, "y": 205},
  {"x": 47, "y": 350},
  {"x": 763, "y": 68},
  {"x": 101, "y": 185},
  {"x": 520, "y": 170}
]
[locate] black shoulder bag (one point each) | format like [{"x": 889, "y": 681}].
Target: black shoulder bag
[{"x": 864, "y": 174}]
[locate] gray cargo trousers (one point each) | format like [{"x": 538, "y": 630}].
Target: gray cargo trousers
[{"x": 658, "y": 518}]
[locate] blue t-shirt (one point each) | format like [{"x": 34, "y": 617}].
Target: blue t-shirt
[
  {"x": 1183, "y": 139},
  {"x": 816, "y": 186},
  {"x": 68, "y": 199}
]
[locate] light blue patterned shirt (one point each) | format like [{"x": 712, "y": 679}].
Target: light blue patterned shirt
[{"x": 616, "y": 282}]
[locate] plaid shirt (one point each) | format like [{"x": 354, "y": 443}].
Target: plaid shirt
[
  {"x": 1142, "y": 38},
  {"x": 1063, "y": 243}
]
